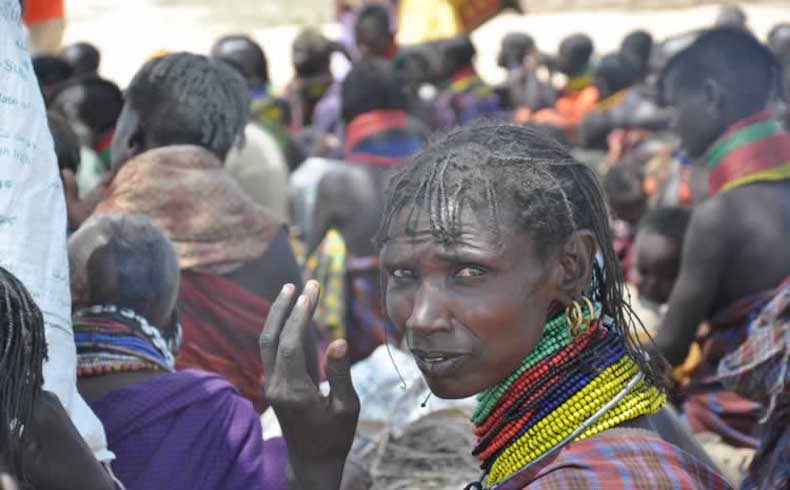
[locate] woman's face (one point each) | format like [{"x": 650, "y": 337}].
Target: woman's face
[{"x": 472, "y": 310}]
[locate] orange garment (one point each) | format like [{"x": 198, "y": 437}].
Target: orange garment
[
  {"x": 41, "y": 10},
  {"x": 569, "y": 110}
]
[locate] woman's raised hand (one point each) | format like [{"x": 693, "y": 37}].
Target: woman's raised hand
[{"x": 319, "y": 429}]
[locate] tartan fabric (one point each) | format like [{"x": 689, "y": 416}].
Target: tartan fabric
[
  {"x": 708, "y": 405},
  {"x": 760, "y": 369},
  {"x": 626, "y": 459},
  {"x": 327, "y": 265}
]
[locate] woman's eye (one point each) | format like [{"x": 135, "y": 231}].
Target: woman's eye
[
  {"x": 470, "y": 271},
  {"x": 402, "y": 274}
]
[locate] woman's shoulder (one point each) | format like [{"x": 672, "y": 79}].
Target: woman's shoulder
[{"x": 620, "y": 459}]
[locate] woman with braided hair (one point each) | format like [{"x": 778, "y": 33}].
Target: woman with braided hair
[
  {"x": 39, "y": 446},
  {"x": 22, "y": 356},
  {"x": 499, "y": 269}
]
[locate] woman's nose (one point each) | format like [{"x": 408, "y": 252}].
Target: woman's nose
[{"x": 428, "y": 313}]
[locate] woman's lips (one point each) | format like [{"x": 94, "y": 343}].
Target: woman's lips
[{"x": 439, "y": 364}]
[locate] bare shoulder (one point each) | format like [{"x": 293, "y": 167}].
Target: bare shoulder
[{"x": 712, "y": 216}]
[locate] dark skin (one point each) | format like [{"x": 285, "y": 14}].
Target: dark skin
[
  {"x": 731, "y": 236},
  {"x": 471, "y": 310},
  {"x": 57, "y": 456},
  {"x": 349, "y": 199},
  {"x": 657, "y": 264},
  {"x": 245, "y": 58}
]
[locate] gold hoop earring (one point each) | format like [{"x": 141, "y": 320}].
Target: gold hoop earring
[{"x": 574, "y": 316}]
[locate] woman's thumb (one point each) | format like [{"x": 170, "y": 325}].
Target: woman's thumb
[{"x": 338, "y": 373}]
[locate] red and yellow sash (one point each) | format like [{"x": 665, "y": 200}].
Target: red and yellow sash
[{"x": 756, "y": 149}]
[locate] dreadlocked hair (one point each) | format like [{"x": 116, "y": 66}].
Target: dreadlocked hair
[
  {"x": 185, "y": 98},
  {"x": 504, "y": 171},
  {"x": 23, "y": 352}
]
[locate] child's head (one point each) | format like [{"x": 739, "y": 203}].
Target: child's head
[
  {"x": 658, "y": 249},
  {"x": 67, "y": 145},
  {"x": 574, "y": 55},
  {"x": 615, "y": 72},
  {"x": 83, "y": 58},
  {"x": 373, "y": 32},
  {"x": 625, "y": 193},
  {"x": 515, "y": 47},
  {"x": 90, "y": 104}
]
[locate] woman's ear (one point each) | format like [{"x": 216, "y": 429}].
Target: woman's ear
[{"x": 573, "y": 266}]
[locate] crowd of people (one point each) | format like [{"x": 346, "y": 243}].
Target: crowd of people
[{"x": 596, "y": 248}]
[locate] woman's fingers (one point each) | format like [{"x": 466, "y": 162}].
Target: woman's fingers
[
  {"x": 291, "y": 363},
  {"x": 338, "y": 373},
  {"x": 275, "y": 321}
]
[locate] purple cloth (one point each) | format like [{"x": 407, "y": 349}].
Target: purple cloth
[{"x": 188, "y": 430}]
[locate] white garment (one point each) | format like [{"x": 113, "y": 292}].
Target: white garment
[
  {"x": 33, "y": 220},
  {"x": 260, "y": 169}
]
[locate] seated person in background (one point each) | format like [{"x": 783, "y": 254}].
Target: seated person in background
[
  {"x": 373, "y": 32},
  {"x": 167, "y": 428},
  {"x": 182, "y": 115},
  {"x": 50, "y": 72},
  {"x": 732, "y": 16},
  {"x": 379, "y": 137},
  {"x": 521, "y": 58},
  {"x": 247, "y": 57},
  {"x": 67, "y": 151},
  {"x": 92, "y": 106},
  {"x": 736, "y": 252},
  {"x": 378, "y": 131},
  {"x": 467, "y": 98},
  {"x": 657, "y": 251},
  {"x": 637, "y": 46},
  {"x": 83, "y": 58},
  {"x": 627, "y": 202},
  {"x": 259, "y": 163},
  {"x": 313, "y": 93},
  {"x": 413, "y": 69},
  {"x": 613, "y": 75},
  {"x": 579, "y": 96},
  {"x": 40, "y": 445}
]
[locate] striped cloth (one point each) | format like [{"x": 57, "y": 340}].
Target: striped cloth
[
  {"x": 708, "y": 406},
  {"x": 760, "y": 369},
  {"x": 756, "y": 149},
  {"x": 627, "y": 459}
]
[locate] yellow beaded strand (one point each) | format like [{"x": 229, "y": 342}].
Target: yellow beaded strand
[{"x": 552, "y": 429}]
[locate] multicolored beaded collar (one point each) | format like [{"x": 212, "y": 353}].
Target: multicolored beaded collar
[
  {"x": 756, "y": 149},
  {"x": 573, "y": 385},
  {"x": 111, "y": 339}
]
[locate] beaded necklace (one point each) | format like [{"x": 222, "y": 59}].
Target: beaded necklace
[
  {"x": 111, "y": 339},
  {"x": 568, "y": 388}
]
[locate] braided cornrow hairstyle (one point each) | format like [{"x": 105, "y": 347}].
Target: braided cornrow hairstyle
[
  {"x": 510, "y": 172},
  {"x": 185, "y": 98},
  {"x": 22, "y": 354}
]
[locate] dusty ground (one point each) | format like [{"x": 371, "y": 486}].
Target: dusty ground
[{"x": 129, "y": 31}]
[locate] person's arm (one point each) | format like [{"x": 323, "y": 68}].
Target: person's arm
[
  {"x": 703, "y": 263},
  {"x": 58, "y": 457}
]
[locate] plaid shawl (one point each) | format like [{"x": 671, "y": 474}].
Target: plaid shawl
[
  {"x": 709, "y": 406},
  {"x": 760, "y": 370},
  {"x": 620, "y": 459}
]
